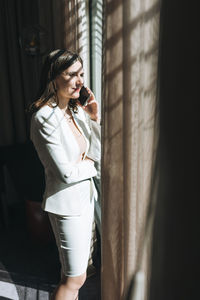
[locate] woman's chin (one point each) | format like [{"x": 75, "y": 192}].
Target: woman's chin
[{"x": 75, "y": 97}]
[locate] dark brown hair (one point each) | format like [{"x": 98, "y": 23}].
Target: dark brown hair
[{"x": 55, "y": 63}]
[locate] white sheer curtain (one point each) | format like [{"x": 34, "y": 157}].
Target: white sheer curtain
[
  {"x": 96, "y": 21},
  {"x": 77, "y": 31},
  {"x": 68, "y": 25},
  {"x": 129, "y": 114}
]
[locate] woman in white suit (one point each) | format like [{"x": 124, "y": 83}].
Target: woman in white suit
[{"x": 66, "y": 136}]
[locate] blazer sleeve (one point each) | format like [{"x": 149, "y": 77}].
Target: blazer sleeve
[
  {"x": 94, "y": 151},
  {"x": 46, "y": 139}
]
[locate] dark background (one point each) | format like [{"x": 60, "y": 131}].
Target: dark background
[{"x": 176, "y": 243}]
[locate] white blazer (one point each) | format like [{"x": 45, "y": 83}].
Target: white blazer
[{"x": 67, "y": 185}]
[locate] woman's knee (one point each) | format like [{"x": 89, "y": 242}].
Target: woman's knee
[
  {"x": 81, "y": 279},
  {"x": 75, "y": 282}
]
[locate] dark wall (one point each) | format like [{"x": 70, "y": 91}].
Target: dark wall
[{"x": 176, "y": 243}]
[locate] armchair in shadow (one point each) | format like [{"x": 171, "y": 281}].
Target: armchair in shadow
[{"x": 27, "y": 174}]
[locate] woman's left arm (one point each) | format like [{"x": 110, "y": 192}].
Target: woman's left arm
[
  {"x": 94, "y": 151},
  {"x": 92, "y": 109}
]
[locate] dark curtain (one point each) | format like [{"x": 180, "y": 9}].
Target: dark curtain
[
  {"x": 19, "y": 76},
  {"x": 52, "y": 17},
  {"x": 19, "y": 80},
  {"x": 19, "y": 71},
  {"x": 176, "y": 245}
]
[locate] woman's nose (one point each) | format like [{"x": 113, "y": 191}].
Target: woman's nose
[{"x": 80, "y": 80}]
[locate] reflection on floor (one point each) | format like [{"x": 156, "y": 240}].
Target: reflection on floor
[
  {"x": 30, "y": 270},
  {"x": 17, "y": 292}
]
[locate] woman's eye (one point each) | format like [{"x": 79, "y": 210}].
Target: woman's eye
[
  {"x": 73, "y": 74},
  {"x": 66, "y": 74}
]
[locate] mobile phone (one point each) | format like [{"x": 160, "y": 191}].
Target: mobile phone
[{"x": 84, "y": 96}]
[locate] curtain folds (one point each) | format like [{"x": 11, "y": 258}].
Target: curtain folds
[
  {"x": 175, "y": 242},
  {"x": 19, "y": 71},
  {"x": 129, "y": 113}
]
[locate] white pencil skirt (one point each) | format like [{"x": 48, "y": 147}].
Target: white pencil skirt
[{"x": 73, "y": 238}]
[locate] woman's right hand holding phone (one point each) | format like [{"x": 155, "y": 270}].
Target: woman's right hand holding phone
[{"x": 92, "y": 106}]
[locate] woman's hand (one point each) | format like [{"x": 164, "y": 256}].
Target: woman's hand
[
  {"x": 92, "y": 106},
  {"x": 90, "y": 160}
]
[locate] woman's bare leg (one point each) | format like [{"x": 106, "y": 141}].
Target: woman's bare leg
[{"x": 68, "y": 288}]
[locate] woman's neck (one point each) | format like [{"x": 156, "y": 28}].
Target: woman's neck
[{"x": 63, "y": 102}]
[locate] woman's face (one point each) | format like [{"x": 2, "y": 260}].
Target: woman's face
[{"x": 70, "y": 81}]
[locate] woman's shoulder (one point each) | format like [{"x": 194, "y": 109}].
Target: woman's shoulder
[{"x": 46, "y": 113}]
